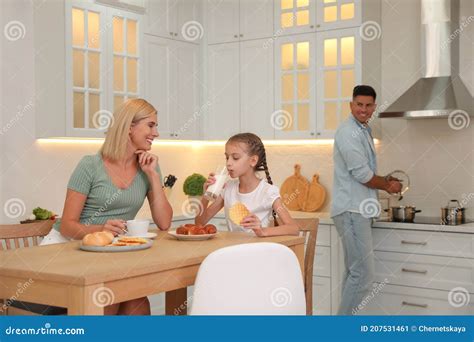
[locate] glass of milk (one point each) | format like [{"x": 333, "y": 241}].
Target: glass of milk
[{"x": 214, "y": 190}]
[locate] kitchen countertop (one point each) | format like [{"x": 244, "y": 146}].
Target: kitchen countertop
[{"x": 325, "y": 218}]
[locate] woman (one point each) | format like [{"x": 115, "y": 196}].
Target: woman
[{"x": 110, "y": 187}]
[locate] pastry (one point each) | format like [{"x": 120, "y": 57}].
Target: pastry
[{"x": 238, "y": 212}]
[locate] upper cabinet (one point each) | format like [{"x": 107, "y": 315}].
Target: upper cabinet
[
  {"x": 234, "y": 20},
  {"x": 295, "y": 87},
  {"x": 336, "y": 14},
  {"x": 172, "y": 86},
  {"x": 175, "y": 19},
  {"x": 295, "y": 16},
  {"x": 304, "y": 16},
  {"x": 94, "y": 90},
  {"x": 339, "y": 57}
]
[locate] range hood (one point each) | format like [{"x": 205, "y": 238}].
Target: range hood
[{"x": 440, "y": 91}]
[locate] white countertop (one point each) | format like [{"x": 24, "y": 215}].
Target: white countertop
[{"x": 324, "y": 218}]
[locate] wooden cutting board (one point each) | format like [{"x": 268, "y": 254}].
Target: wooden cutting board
[
  {"x": 294, "y": 190},
  {"x": 316, "y": 195}
]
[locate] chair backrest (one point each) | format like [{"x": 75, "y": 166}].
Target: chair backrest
[
  {"x": 260, "y": 278},
  {"x": 309, "y": 230},
  {"x": 20, "y": 235}
]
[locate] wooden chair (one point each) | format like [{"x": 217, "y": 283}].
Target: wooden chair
[
  {"x": 14, "y": 236},
  {"x": 309, "y": 230},
  {"x": 23, "y": 235}
]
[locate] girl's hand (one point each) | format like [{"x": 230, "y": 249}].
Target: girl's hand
[
  {"x": 210, "y": 180},
  {"x": 116, "y": 227},
  {"x": 147, "y": 161},
  {"x": 254, "y": 223}
]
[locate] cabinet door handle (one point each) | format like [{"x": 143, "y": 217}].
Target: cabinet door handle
[
  {"x": 414, "y": 271},
  {"x": 415, "y": 304},
  {"x": 405, "y": 242},
  {"x": 175, "y": 34},
  {"x": 241, "y": 35},
  {"x": 236, "y": 36},
  {"x": 171, "y": 33},
  {"x": 311, "y": 26}
]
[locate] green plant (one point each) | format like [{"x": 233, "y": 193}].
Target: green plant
[{"x": 193, "y": 184}]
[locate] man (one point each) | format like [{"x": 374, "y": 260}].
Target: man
[{"x": 354, "y": 202}]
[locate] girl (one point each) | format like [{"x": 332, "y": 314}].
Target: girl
[{"x": 245, "y": 155}]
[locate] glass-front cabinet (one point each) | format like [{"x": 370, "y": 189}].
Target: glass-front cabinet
[
  {"x": 295, "y": 66},
  {"x": 102, "y": 65},
  {"x": 302, "y": 16},
  {"x": 339, "y": 58}
]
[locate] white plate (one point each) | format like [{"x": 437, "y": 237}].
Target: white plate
[
  {"x": 191, "y": 237},
  {"x": 148, "y": 235},
  {"x": 116, "y": 248}
]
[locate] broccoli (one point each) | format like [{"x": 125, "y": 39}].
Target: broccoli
[
  {"x": 42, "y": 214},
  {"x": 193, "y": 185}
]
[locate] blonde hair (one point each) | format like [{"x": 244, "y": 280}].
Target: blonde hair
[{"x": 131, "y": 111}]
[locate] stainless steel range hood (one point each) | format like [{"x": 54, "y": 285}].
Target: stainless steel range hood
[{"x": 440, "y": 91}]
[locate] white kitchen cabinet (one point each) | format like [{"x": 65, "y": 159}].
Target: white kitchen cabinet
[
  {"x": 338, "y": 60},
  {"x": 188, "y": 82},
  {"x": 322, "y": 261},
  {"x": 321, "y": 296},
  {"x": 337, "y": 14},
  {"x": 426, "y": 271},
  {"x": 256, "y": 19},
  {"x": 171, "y": 18},
  {"x": 295, "y": 87},
  {"x": 417, "y": 271},
  {"x": 223, "y": 21},
  {"x": 234, "y": 20},
  {"x": 295, "y": 16},
  {"x": 171, "y": 77},
  {"x": 403, "y": 300},
  {"x": 256, "y": 88},
  {"x": 223, "y": 116}
]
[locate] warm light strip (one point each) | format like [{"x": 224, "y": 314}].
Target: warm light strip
[{"x": 193, "y": 143}]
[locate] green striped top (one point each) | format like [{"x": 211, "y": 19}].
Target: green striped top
[{"x": 104, "y": 200}]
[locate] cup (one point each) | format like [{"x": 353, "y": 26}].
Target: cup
[
  {"x": 137, "y": 227},
  {"x": 214, "y": 190}
]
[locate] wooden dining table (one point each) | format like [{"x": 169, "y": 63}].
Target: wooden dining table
[{"x": 85, "y": 282}]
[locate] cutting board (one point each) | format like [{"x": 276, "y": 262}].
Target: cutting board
[
  {"x": 294, "y": 190},
  {"x": 316, "y": 195}
]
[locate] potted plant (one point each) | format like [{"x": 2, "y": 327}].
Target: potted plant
[{"x": 193, "y": 184}]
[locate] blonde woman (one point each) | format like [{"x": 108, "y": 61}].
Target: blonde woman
[{"x": 110, "y": 187}]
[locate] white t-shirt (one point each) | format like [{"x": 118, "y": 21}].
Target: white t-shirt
[{"x": 258, "y": 202}]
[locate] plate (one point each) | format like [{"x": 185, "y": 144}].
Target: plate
[
  {"x": 191, "y": 237},
  {"x": 148, "y": 235},
  {"x": 116, "y": 248}
]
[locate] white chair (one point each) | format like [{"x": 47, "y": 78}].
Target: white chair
[{"x": 250, "y": 279}]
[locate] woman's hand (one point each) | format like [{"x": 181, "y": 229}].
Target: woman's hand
[
  {"x": 116, "y": 227},
  {"x": 254, "y": 223},
  {"x": 210, "y": 180},
  {"x": 147, "y": 161}
]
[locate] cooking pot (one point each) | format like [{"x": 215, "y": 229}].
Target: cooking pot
[
  {"x": 402, "y": 213},
  {"x": 453, "y": 214}
]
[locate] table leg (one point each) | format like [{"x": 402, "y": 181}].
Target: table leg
[
  {"x": 87, "y": 300},
  {"x": 176, "y": 302}
]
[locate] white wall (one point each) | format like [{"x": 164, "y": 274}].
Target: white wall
[
  {"x": 439, "y": 159},
  {"x": 37, "y": 173}
]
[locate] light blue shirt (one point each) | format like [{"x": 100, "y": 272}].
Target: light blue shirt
[{"x": 354, "y": 164}]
